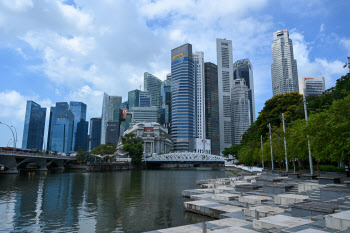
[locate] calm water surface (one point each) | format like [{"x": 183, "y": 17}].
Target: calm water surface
[{"x": 125, "y": 201}]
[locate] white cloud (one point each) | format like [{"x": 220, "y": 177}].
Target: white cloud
[
  {"x": 322, "y": 28},
  {"x": 17, "y": 5},
  {"x": 346, "y": 44}
]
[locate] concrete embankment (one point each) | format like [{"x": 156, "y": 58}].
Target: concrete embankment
[{"x": 268, "y": 202}]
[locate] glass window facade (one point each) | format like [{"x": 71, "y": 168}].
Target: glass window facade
[
  {"x": 95, "y": 132},
  {"x": 80, "y": 134}
]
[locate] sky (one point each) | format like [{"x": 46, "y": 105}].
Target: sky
[{"x": 55, "y": 50}]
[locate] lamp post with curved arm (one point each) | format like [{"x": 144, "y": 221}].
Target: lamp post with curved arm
[
  {"x": 14, "y": 140},
  {"x": 16, "y": 135},
  {"x": 8, "y": 143}
]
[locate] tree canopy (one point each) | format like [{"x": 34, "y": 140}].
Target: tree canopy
[
  {"x": 104, "y": 149},
  {"x": 134, "y": 145}
]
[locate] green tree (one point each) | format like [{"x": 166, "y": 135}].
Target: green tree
[
  {"x": 278, "y": 145},
  {"x": 133, "y": 145},
  {"x": 296, "y": 138},
  {"x": 104, "y": 149},
  {"x": 81, "y": 156},
  {"x": 233, "y": 150}
]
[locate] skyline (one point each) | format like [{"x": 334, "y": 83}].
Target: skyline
[{"x": 76, "y": 58}]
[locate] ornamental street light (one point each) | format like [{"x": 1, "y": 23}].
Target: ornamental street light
[
  {"x": 285, "y": 142},
  {"x": 308, "y": 139},
  {"x": 272, "y": 166},
  {"x": 16, "y": 135},
  {"x": 14, "y": 140}
]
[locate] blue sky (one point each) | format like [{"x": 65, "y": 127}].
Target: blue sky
[{"x": 55, "y": 50}]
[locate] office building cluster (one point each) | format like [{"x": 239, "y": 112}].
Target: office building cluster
[{"x": 200, "y": 106}]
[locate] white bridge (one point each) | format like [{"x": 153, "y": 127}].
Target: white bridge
[{"x": 185, "y": 157}]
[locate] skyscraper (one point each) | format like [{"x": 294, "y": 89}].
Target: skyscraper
[
  {"x": 145, "y": 114},
  {"x": 95, "y": 132},
  {"x": 110, "y": 121},
  {"x": 182, "y": 98},
  {"x": 34, "y": 126},
  {"x": 60, "y": 107},
  {"x": 284, "y": 70},
  {"x": 152, "y": 85},
  {"x": 165, "y": 113},
  {"x": 133, "y": 99},
  {"x": 80, "y": 131},
  {"x": 243, "y": 69},
  {"x": 225, "y": 79},
  {"x": 62, "y": 132},
  {"x": 241, "y": 117},
  {"x": 311, "y": 86},
  {"x": 145, "y": 99},
  {"x": 198, "y": 60},
  {"x": 212, "y": 107}
]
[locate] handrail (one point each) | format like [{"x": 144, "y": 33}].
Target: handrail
[{"x": 33, "y": 154}]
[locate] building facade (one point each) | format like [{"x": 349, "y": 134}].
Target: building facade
[
  {"x": 80, "y": 131},
  {"x": 284, "y": 71},
  {"x": 152, "y": 85},
  {"x": 155, "y": 137},
  {"x": 62, "y": 132},
  {"x": 133, "y": 99},
  {"x": 110, "y": 121},
  {"x": 198, "y": 62},
  {"x": 95, "y": 132},
  {"x": 182, "y": 98},
  {"x": 165, "y": 112},
  {"x": 212, "y": 107},
  {"x": 145, "y": 114},
  {"x": 60, "y": 107},
  {"x": 243, "y": 69},
  {"x": 225, "y": 79},
  {"x": 145, "y": 99},
  {"x": 34, "y": 126},
  {"x": 241, "y": 117},
  {"x": 311, "y": 86}
]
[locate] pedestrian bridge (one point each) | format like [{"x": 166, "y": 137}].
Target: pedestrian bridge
[
  {"x": 185, "y": 157},
  {"x": 12, "y": 161}
]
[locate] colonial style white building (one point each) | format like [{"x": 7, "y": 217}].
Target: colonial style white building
[{"x": 155, "y": 137}]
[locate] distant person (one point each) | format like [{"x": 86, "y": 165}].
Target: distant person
[{"x": 347, "y": 170}]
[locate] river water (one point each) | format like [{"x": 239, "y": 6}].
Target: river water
[{"x": 121, "y": 201}]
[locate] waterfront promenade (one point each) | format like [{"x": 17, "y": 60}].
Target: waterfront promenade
[{"x": 269, "y": 202}]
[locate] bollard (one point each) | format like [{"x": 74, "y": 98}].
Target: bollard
[
  {"x": 204, "y": 227},
  {"x": 256, "y": 214}
]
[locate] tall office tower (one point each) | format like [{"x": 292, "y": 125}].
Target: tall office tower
[
  {"x": 145, "y": 114},
  {"x": 168, "y": 76},
  {"x": 199, "y": 83},
  {"x": 133, "y": 99},
  {"x": 243, "y": 69},
  {"x": 182, "y": 96},
  {"x": 152, "y": 85},
  {"x": 60, "y": 107},
  {"x": 34, "y": 126},
  {"x": 110, "y": 119},
  {"x": 311, "y": 86},
  {"x": 145, "y": 99},
  {"x": 241, "y": 117},
  {"x": 125, "y": 105},
  {"x": 212, "y": 106},
  {"x": 80, "y": 131},
  {"x": 62, "y": 132},
  {"x": 165, "y": 113},
  {"x": 225, "y": 79},
  {"x": 95, "y": 132},
  {"x": 284, "y": 71}
]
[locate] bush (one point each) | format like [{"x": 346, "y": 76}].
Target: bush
[{"x": 330, "y": 168}]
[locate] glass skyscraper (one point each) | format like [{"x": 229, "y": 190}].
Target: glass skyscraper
[
  {"x": 60, "y": 107},
  {"x": 165, "y": 112},
  {"x": 145, "y": 99},
  {"x": 110, "y": 123},
  {"x": 182, "y": 98},
  {"x": 34, "y": 126},
  {"x": 212, "y": 107},
  {"x": 62, "y": 132},
  {"x": 243, "y": 69},
  {"x": 152, "y": 85},
  {"x": 80, "y": 131},
  {"x": 95, "y": 132},
  {"x": 133, "y": 99}
]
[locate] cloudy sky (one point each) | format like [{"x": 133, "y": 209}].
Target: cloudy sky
[{"x": 74, "y": 50}]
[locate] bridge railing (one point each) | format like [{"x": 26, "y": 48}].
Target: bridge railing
[
  {"x": 185, "y": 157},
  {"x": 5, "y": 152}
]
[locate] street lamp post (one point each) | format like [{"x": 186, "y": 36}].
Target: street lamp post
[
  {"x": 16, "y": 135},
  {"x": 14, "y": 140},
  {"x": 285, "y": 142},
  {"x": 272, "y": 166},
  {"x": 308, "y": 139},
  {"x": 262, "y": 152}
]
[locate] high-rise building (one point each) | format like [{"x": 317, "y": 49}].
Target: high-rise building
[
  {"x": 110, "y": 121},
  {"x": 34, "y": 126},
  {"x": 225, "y": 79},
  {"x": 145, "y": 99},
  {"x": 125, "y": 105},
  {"x": 145, "y": 114},
  {"x": 133, "y": 99},
  {"x": 152, "y": 85},
  {"x": 126, "y": 122},
  {"x": 60, "y": 107},
  {"x": 243, "y": 69},
  {"x": 241, "y": 117},
  {"x": 95, "y": 132},
  {"x": 165, "y": 112},
  {"x": 284, "y": 71},
  {"x": 311, "y": 86},
  {"x": 182, "y": 98},
  {"x": 62, "y": 132},
  {"x": 212, "y": 107},
  {"x": 80, "y": 131},
  {"x": 198, "y": 62}
]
